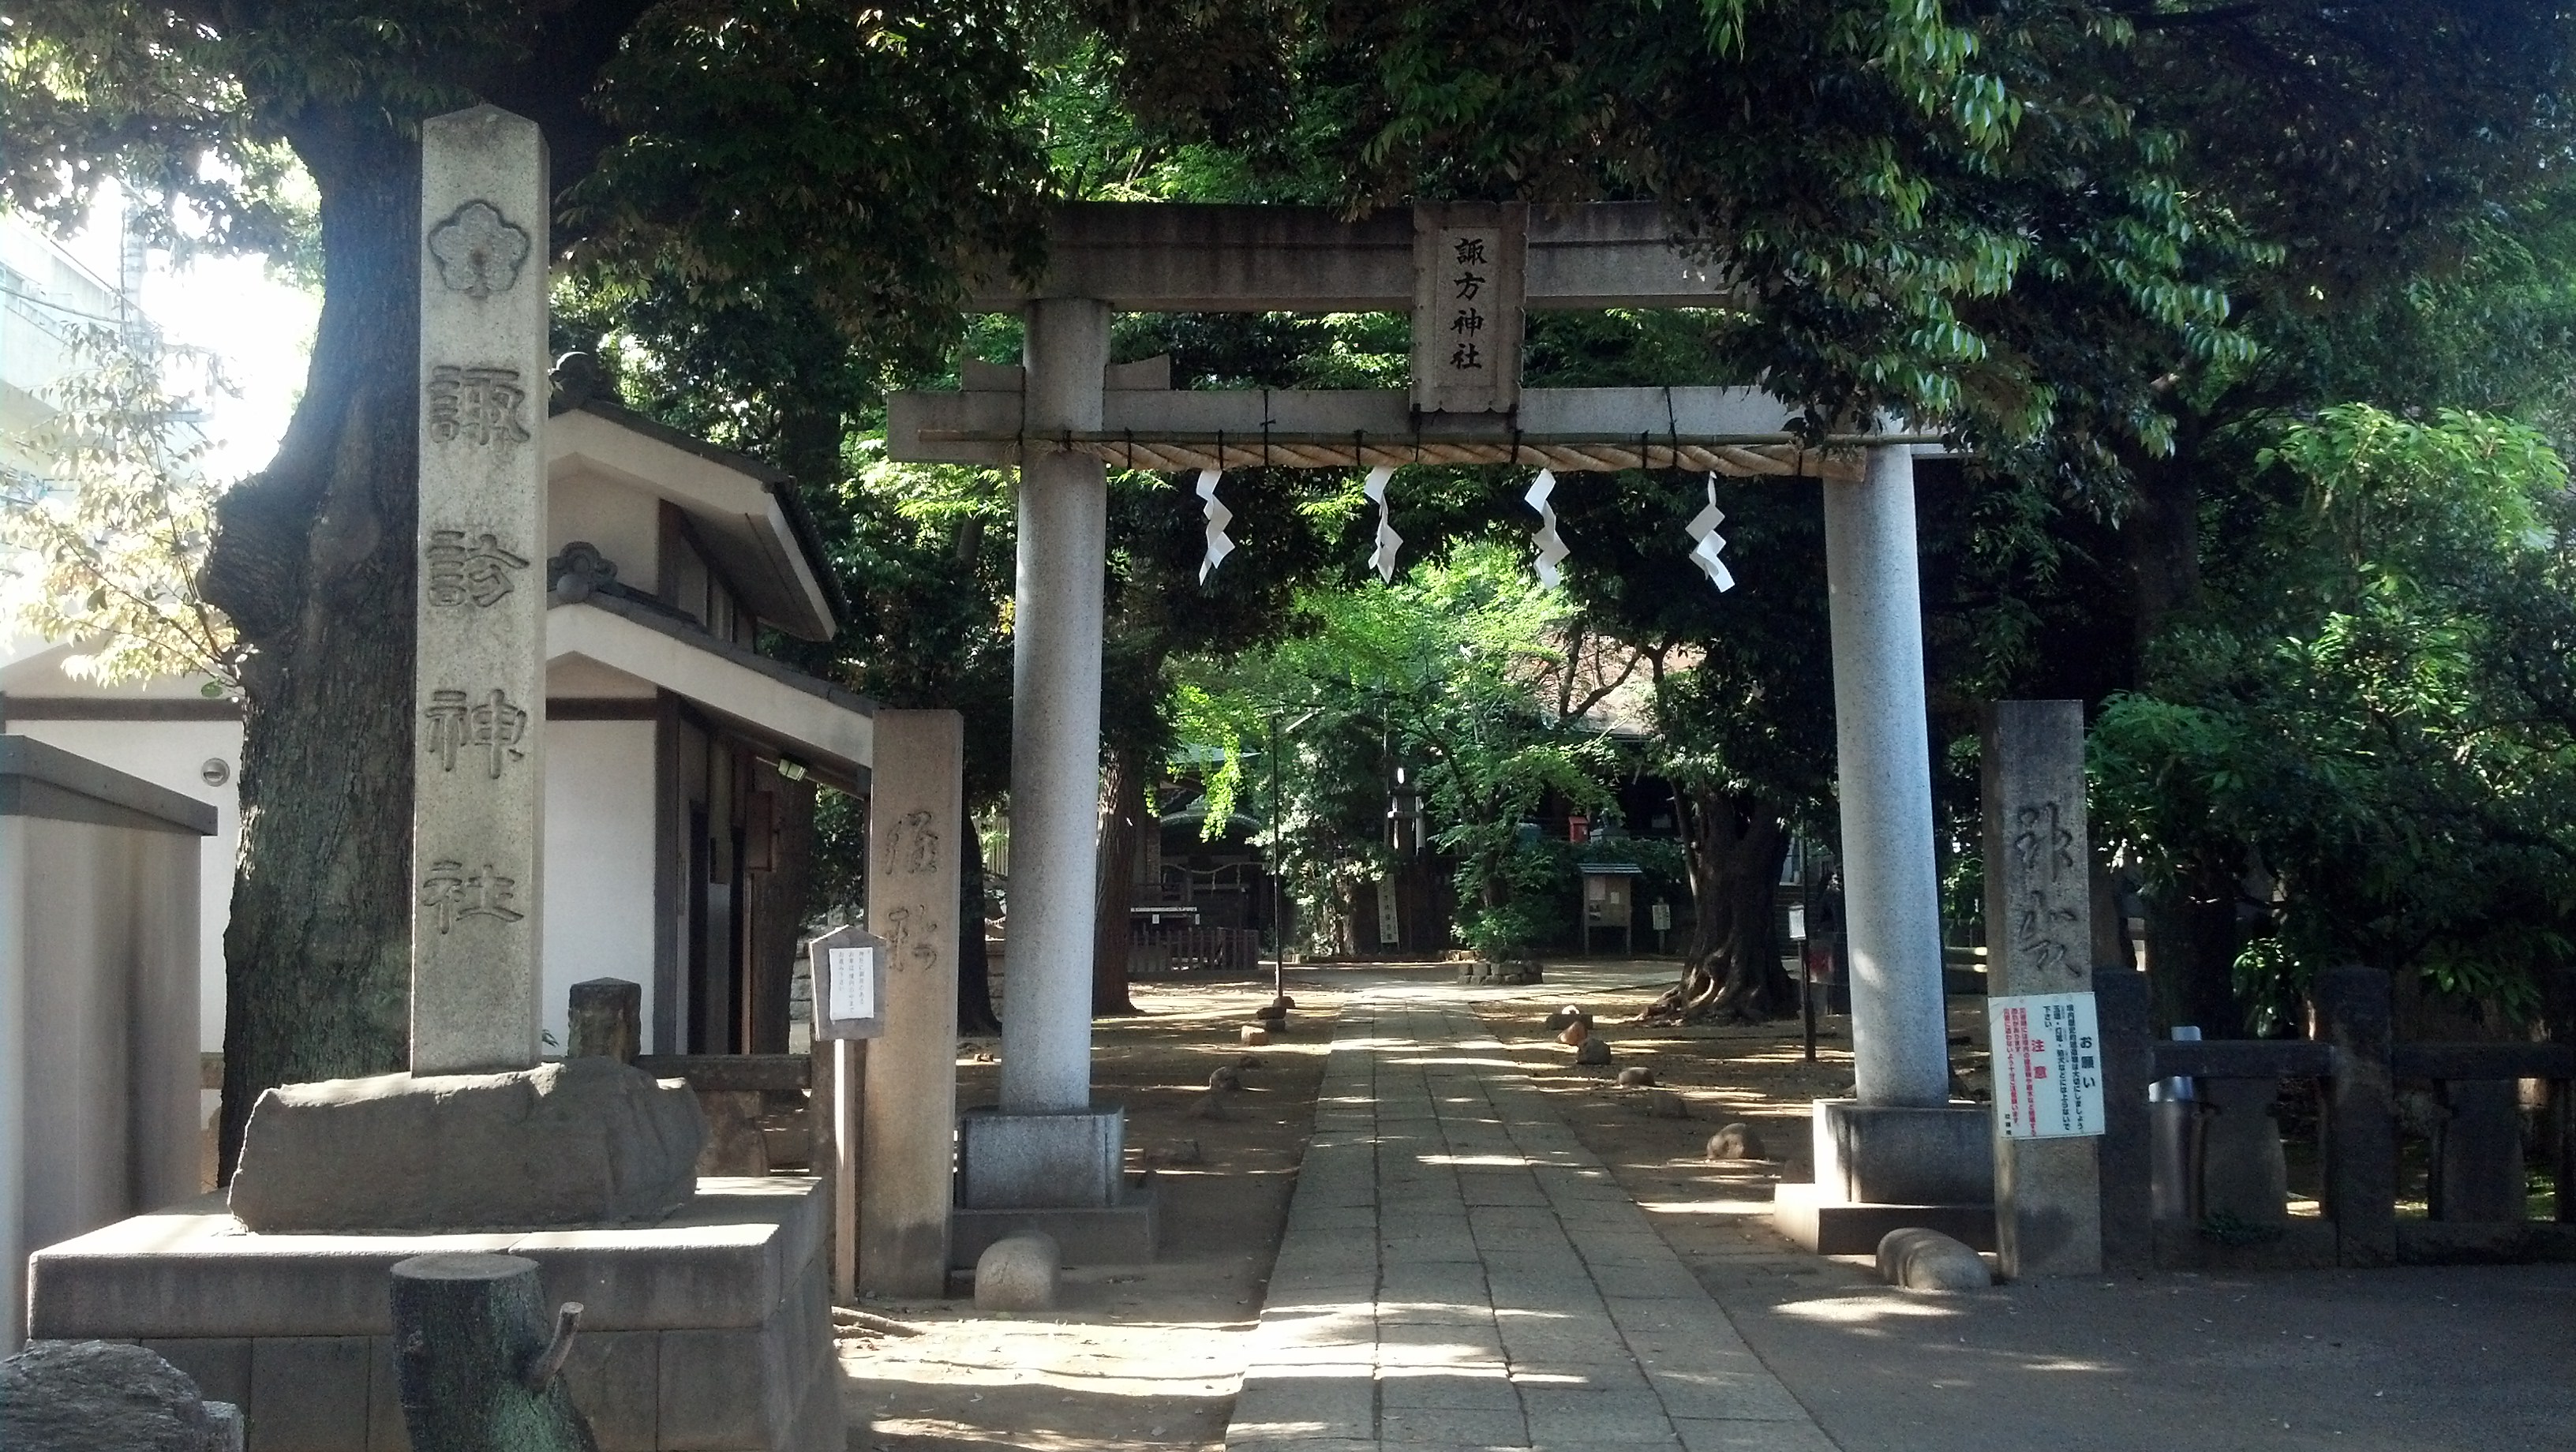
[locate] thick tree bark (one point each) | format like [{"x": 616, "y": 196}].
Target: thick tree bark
[
  {"x": 2192, "y": 941},
  {"x": 1731, "y": 963},
  {"x": 2161, "y": 533},
  {"x": 312, "y": 559},
  {"x": 478, "y": 1361},
  {"x": 974, "y": 971},
  {"x": 1122, "y": 812}
]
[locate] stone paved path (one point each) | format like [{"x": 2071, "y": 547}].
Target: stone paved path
[{"x": 1459, "y": 1272}]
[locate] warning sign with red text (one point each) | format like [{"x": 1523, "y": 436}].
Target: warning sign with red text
[{"x": 2048, "y": 1065}]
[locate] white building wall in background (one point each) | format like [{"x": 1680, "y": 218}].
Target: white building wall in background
[{"x": 598, "y": 860}]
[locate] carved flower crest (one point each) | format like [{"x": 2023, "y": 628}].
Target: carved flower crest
[{"x": 478, "y": 250}]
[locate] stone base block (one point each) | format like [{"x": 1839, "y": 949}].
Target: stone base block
[
  {"x": 1120, "y": 1234},
  {"x": 1829, "y": 1227},
  {"x": 1478, "y": 970},
  {"x": 708, "y": 1330},
  {"x": 1008, "y": 1160},
  {"x": 1869, "y": 1154},
  {"x": 581, "y": 1142}
]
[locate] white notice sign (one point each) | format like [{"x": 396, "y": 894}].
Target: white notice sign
[
  {"x": 854, "y": 983},
  {"x": 2048, "y": 1074}
]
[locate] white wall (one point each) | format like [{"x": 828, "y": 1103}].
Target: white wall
[
  {"x": 172, "y": 754},
  {"x": 623, "y": 523},
  {"x": 97, "y": 953},
  {"x": 599, "y": 859}
]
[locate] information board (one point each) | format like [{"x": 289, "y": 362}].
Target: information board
[
  {"x": 2048, "y": 1065},
  {"x": 849, "y": 968}
]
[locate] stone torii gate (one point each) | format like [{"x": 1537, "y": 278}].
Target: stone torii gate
[{"x": 1466, "y": 273}]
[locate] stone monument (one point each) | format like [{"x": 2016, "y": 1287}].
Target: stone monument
[
  {"x": 2039, "y": 939},
  {"x": 708, "y": 1302},
  {"x": 480, "y": 685},
  {"x": 477, "y": 793}
]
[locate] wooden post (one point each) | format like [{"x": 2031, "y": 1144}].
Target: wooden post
[
  {"x": 2361, "y": 1116},
  {"x": 2128, "y": 1167},
  {"x": 605, "y": 1020},
  {"x": 849, "y": 1067},
  {"x": 476, "y": 1365}
]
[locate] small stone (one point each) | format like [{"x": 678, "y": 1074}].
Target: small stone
[
  {"x": 1926, "y": 1260},
  {"x": 1210, "y": 1105},
  {"x": 1272, "y": 1011},
  {"x": 1223, "y": 1077},
  {"x": 1185, "y": 1152},
  {"x": 1018, "y": 1273},
  {"x": 1249, "y": 1061},
  {"x": 1594, "y": 1052},
  {"x": 1571, "y": 1013},
  {"x": 1736, "y": 1142},
  {"x": 1575, "y": 1032},
  {"x": 1636, "y": 1076},
  {"x": 1283, "y": 1003},
  {"x": 105, "y": 1396},
  {"x": 1255, "y": 1035},
  {"x": 1665, "y": 1104}
]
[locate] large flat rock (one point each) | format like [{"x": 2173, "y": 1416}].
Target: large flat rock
[{"x": 587, "y": 1141}]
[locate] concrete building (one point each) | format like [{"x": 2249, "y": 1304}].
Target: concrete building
[{"x": 681, "y": 764}]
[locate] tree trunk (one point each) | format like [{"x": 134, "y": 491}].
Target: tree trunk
[
  {"x": 2192, "y": 940},
  {"x": 313, "y": 560},
  {"x": 1122, "y": 810},
  {"x": 974, "y": 971},
  {"x": 2161, "y": 534},
  {"x": 1731, "y": 963},
  {"x": 470, "y": 1334}
]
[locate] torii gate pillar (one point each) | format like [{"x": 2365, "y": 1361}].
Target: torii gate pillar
[{"x": 1047, "y": 1148}]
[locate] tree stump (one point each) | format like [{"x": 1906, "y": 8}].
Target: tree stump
[{"x": 473, "y": 1356}]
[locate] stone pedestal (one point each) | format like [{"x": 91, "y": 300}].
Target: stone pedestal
[
  {"x": 710, "y": 1328},
  {"x": 1890, "y": 1167},
  {"x": 1062, "y": 1174}
]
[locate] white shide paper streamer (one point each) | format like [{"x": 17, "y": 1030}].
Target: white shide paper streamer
[
  {"x": 1218, "y": 517},
  {"x": 1706, "y": 541},
  {"x": 1551, "y": 548},
  {"x": 1382, "y": 559}
]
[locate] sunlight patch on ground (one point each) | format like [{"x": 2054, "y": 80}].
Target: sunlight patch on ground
[
  {"x": 1865, "y": 1310},
  {"x": 1706, "y": 1207}
]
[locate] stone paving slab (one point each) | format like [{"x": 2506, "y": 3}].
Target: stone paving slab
[{"x": 1459, "y": 1272}]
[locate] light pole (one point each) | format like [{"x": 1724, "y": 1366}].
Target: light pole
[{"x": 1278, "y": 852}]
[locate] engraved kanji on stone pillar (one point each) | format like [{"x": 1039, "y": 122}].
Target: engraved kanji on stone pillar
[
  {"x": 2039, "y": 940},
  {"x": 480, "y": 689}
]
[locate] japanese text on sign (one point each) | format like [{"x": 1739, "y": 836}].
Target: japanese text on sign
[
  {"x": 854, "y": 983},
  {"x": 2048, "y": 1065}
]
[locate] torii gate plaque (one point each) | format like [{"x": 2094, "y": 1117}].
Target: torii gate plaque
[{"x": 1465, "y": 273}]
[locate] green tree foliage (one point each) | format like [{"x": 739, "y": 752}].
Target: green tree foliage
[
  {"x": 1441, "y": 672},
  {"x": 2367, "y": 727},
  {"x": 108, "y": 557}
]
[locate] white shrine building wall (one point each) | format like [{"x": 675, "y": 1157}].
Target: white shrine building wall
[{"x": 598, "y": 862}]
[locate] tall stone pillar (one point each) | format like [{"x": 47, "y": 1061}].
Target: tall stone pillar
[
  {"x": 1891, "y": 900},
  {"x": 480, "y": 689},
  {"x": 1055, "y": 717},
  {"x": 1048, "y": 1156},
  {"x": 908, "y": 1112},
  {"x": 2039, "y": 939}
]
